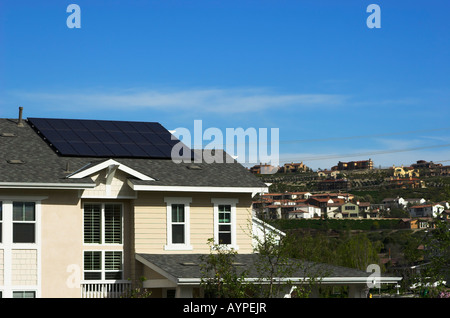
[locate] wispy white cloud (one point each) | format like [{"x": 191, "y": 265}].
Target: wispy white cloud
[{"x": 213, "y": 100}]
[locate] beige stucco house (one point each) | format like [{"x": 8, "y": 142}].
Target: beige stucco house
[{"x": 81, "y": 225}]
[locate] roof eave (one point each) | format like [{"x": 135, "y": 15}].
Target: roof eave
[
  {"x": 176, "y": 188},
  {"x": 35, "y": 185},
  {"x": 297, "y": 280}
]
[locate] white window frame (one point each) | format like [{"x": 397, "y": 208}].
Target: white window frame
[
  {"x": 186, "y": 246},
  {"x": 7, "y": 243},
  {"x": 103, "y": 269},
  {"x": 225, "y": 201},
  {"x": 22, "y": 290},
  {"x": 34, "y": 222},
  {"x": 102, "y": 227}
]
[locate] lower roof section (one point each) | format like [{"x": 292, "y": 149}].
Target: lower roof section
[{"x": 185, "y": 269}]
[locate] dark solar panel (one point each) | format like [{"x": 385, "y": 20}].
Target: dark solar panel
[{"x": 101, "y": 138}]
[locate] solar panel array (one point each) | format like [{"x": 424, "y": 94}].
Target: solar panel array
[{"x": 103, "y": 138}]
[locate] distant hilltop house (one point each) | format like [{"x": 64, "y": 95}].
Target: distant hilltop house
[
  {"x": 341, "y": 205},
  {"x": 293, "y": 167},
  {"x": 422, "y": 164},
  {"x": 354, "y": 165},
  {"x": 278, "y": 205},
  {"x": 429, "y": 168},
  {"x": 263, "y": 169},
  {"x": 405, "y": 183},
  {"x": 417, "y": 207},
  {"x": 329, "y": 174},
  {"x": 426, "y": 210},
  {"x": 304, "y": 205},
  {"x": 286, "y": 168},
  {"x": 405, "y": 172},
  {"x": 400, "y": 202}
]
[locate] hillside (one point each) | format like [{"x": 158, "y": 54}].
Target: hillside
[{"x": 372, "y": 185}]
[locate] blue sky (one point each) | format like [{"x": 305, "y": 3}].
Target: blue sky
[{"x": 335, "y": 89}]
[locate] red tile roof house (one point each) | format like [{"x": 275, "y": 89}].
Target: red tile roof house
[{"x": 79, "y": 223}]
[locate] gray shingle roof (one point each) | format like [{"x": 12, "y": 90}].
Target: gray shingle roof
[
  {"x": 43, "y": 165},
  {"x": 182, "y": 266}
]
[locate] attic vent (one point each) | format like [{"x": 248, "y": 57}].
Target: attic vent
[
  {"x": 189, "y": 264},
  {"x": 7, "y": 134},
  {"x": 194, "y": 167},
  {"x": 16, "y": 161}
]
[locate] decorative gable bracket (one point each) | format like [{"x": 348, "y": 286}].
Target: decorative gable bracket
[
  {"x": 112, "y": 167},
  {"x": 110, "y": 178}
]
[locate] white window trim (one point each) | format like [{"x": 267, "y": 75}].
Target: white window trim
[
  {"x": 103, "y": 270},
  {"x": 7, "y": 244},
  {"x": 186, "y": 246},
  {"x": 25, "y": 289},
  {"x": 102, "y": 229},
  {"x": 225, "y": 201}
]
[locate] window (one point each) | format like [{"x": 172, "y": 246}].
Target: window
[
  {"x": 24, "y": 222},
  {"x": 178, "y": 229},
  {"x": 103, "y": 265},
  {"x": 113, "y": 265},
  {"x": 102, "y": 223},
  {"x": 93, "y": 265},
  {"x": 224, "y": 224},
  {"x": 92, "y": 223},
  {"x": 113, "y": 224},
  {"x": 225, "y": 221},
  {"x": 24, "y": 294},
  {"x": 178, "y": 224}
]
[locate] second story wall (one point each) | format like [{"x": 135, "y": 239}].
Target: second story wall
[{"x": 183, "y": 222}]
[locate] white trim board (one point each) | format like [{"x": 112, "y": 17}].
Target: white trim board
[
  {"x": 35, "y": 185},
  {"x": 252, "y": 190},
  {"x": 107, "y": 164}
]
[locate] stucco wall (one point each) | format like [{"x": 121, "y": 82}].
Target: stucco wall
[{"x": 61, "y": 248}]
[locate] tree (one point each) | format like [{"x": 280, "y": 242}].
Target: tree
[
  {"x": 272, "y": 265},
  {"x": 220, "y": 278},
  {"x": 358, "y": 252},
  {"x": 275, "y": 264},
  {"x": 437, "y": 258}
]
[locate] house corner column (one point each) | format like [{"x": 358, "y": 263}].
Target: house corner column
[
  {"x": 184, "y": 292},
  {"x": 357, "y": 291}
]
